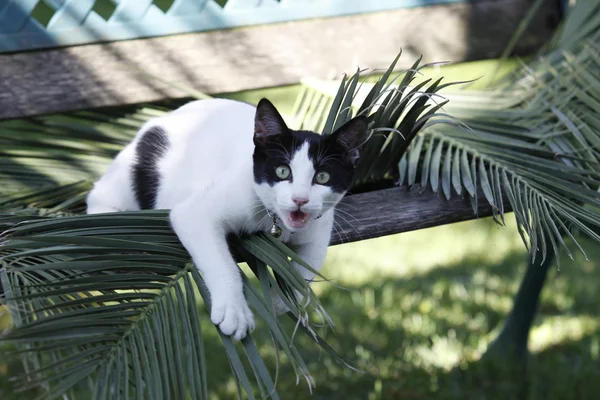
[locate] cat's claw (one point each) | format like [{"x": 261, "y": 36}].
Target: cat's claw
[
  {"x": 278, "y": 303},
  {"x": 233, "y": 316}
]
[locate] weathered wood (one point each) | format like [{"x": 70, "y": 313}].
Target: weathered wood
[
  {"x": 100, "y": 75},
  {"x": 68, "y": 23},
  {"x": 385, "y": 212}
]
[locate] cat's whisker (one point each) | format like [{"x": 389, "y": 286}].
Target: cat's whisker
[
  {"x": 285, "y": 152},
  {"x": 350, "y": 225},
  {"x": 329, "y": 202},
  {"x": 344, "y": 236},
  {"x": 337, "y": 210},
  {"x": 339, "y": 232},
  {"x": 261, "y": 208},
  {"x": 259, "y": 223},
  {"x": 329, "y": 157},
  {"x": 341, "y": 216},
  {"x": 321, "y": 149}
]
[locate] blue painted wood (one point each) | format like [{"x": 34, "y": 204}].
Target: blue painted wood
[
  {"x": 14, "y": 16},
  {"x": 182, "y": 8},
  {"x": 130, "y": 11},
  {"x": 75, "y": 21},
  {"x": 70, "y": 15}
]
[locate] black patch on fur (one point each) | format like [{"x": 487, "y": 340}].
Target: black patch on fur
[
  {"x": 331, "y": 156},
  {"x": 326, "y": 153},
  {"x": 146, "y": 179},
  {"x": 275, "y": 144}
]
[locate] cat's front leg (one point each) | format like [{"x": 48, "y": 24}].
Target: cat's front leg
[
  {"x": 313, "y": 253},
  {"x": 205, "y": 239}
]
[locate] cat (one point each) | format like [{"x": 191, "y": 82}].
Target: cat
[{"x": 222, "y": 166}]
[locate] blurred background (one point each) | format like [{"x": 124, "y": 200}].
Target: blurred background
[{"x": 416, "y": 310}]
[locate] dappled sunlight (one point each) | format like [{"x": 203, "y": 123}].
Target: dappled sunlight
[
  {"x": 414, "y": 313},
  {"x": 444, "y": 352},
  {"x": 5, "y": 318},
  {"x": 558, "y": 329},
  {"x": 415, "y": 253},
  {"x": 409, "y": 329}
]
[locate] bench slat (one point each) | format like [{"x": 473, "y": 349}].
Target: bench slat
[{"x": 389, "y": 211}]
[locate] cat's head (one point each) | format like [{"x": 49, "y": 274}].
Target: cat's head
[{"x": 299, "y": 174}]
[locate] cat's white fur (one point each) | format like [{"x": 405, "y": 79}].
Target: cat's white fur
[{"x": 207, "y": 182}]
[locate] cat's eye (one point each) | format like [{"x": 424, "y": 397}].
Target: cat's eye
[
  {"x": 322, "y": 177},
  {"x": 283, "y": 172}
]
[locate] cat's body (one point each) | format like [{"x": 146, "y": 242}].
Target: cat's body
[{"x": 218, "y": 165}]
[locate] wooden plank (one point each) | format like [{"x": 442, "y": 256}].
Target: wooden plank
[
  {"x": 249, "y": 58},
  {"x": 389, "y": 211},
  {"x": 75, "y": 22}
]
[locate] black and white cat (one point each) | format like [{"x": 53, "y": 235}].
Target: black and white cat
[{"x": 219, "y": 165}]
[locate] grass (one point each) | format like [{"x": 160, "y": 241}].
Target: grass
[
  {"x": 417, "y": 310},
  {"x": 420, "y": 308}
]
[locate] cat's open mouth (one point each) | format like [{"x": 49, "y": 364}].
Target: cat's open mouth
[{"x": 298, "y": 219}]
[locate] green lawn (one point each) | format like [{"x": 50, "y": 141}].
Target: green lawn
[{"x": 421, "y": 307}]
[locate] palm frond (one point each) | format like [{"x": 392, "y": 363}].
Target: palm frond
[
  {"x": 396, "y": 112},
  {"x": 111, "y": 298},
  {"x": 54, "y": 150},
  {"x": 530, "y": 144}
]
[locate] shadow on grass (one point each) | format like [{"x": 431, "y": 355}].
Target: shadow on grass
[{"x": 420, "y": 337}]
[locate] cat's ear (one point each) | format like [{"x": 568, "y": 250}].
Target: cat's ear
[
  {"x": 352, "y": 135},
  {"x": 267, "y": 121}
]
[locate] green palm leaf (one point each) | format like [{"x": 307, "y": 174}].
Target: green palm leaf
[
  {"x": 530, "y": 144},
  {"x": 44, "y": 151},
  {"x": 396, "y": 114},
  {"x": 111, "y": 298}
]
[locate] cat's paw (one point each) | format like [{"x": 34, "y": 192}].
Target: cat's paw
[
  {"x": 278, "y": 303},
  {"x": 233, "y": 316}
]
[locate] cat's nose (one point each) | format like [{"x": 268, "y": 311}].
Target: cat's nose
[{"x": 300, "y": 201}]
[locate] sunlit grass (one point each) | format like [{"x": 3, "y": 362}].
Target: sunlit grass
[
  {"x": 419, "y": 309},
  {"x": 416, "y": 253},
  {"x": 552, "y": 331},
  {"x": 5, "y": 318}
]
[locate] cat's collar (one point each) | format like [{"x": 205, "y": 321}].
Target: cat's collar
[{"x": 275, "y": 230}]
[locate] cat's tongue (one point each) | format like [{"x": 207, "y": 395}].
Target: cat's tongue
[{"x": 298, "y": 219}]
